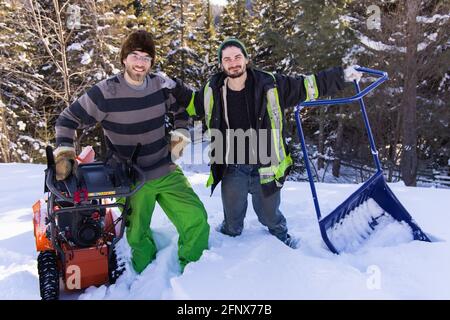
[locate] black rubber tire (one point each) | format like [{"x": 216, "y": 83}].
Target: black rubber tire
[
  {"x": 48, "y": 275},
  {"x": 115, "y": 269}
]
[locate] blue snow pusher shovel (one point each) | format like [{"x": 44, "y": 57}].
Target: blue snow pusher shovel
[{"x": 373, "y": 205}]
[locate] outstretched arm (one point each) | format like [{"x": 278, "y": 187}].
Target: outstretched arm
[
  {"x": 188, "y": 98},
  {"x": 324, "y": 83},
  {"x": 83, "y": 113}
]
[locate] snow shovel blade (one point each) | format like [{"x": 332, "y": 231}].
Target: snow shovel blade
[{"x": 372, "y": 206}]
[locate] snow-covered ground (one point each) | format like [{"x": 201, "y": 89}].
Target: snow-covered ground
[{"x": 255, "y": 265}]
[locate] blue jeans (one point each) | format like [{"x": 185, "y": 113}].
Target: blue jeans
[{"x": 238, "y": 181}]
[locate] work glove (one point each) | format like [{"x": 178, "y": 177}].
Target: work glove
[
  {"x": 178, "y": 141},
  {"x": 351, "y": 74},
  {"x": 166, "y": 81},
  {"x": 65, "y": 162}
]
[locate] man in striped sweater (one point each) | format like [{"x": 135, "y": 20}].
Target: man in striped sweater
[{"x": 131, "y": 108}]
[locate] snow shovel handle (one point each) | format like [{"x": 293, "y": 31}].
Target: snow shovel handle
[
  {"x": 383, "y": 76},
  {"x": 357, "y": 97}
]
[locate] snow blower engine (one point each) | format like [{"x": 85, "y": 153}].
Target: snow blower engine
[{"x": 76, "y": 228}]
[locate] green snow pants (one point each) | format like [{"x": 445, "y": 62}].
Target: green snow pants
[{"x": 183, "y": 207}]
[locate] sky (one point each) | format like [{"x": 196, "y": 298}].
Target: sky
[{"x": 221, "y": 2}]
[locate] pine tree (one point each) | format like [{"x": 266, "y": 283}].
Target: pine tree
[
  {"x": 237, "y": 22},
  {"x": 207, "y": 42},
  {"x": 175, "y": 36},
  {"x": 413, "y": 48},
  {"x": 23, "y": 87},
  {"x": 275, "y": 22},
  {"x": 303, "y": 38},
  {"x": 63, "y": 49}
]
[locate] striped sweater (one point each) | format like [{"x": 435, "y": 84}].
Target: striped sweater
[{"x": 128, "y": 116}]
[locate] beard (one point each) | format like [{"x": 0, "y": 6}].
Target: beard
[
  {"x": 236, "y": 73},
  {"x": 136, "y": 75}
]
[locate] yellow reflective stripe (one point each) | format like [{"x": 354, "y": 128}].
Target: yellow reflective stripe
[
  {"x": 263, "y": 181},
  {"x": 276, "y": 122},
  {"x": 316, "y": 89},
  {"x": 277, "y": 99},
  {"x": 191, "y": 107},
  {"x": 282, "y": 167},
  {"x": 305, "y": 83},
  {"x": 267, "y": 172},
  {"x": 208, "y": 102},
  {"x": 311, "y": 86},
  {"x": 276, "y": 172},
  {"x": 210, "y": 179}
]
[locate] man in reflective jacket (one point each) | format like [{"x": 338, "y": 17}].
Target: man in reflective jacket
[{"x": 247, "y": 105}]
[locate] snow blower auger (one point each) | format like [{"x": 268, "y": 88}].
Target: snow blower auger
[
  {"x": 369, "y": 208},
  {"x": 76, "y": 230}
]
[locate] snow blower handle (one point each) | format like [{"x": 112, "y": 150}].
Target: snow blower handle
[{"x": 50, "y": 176}]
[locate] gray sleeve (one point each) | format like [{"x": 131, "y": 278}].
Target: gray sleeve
[{"x": 85, "y": 112}]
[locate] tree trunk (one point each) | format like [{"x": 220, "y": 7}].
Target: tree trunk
[
  {"x": 321, "y": 144},
  {"x": 4, "y": 137},
  {"x": 338, "y": 146},
  {"x": 409, "y": 153},
  {"x": 183, "y": 26},
  {"x": 393, "y": 152}
]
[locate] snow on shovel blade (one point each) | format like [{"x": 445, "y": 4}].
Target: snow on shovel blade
[
  {"x": 356, "y": 228},
  {"x": 370, "y": 210}
]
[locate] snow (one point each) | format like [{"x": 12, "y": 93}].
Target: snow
[
  {"x": 112, "y": 49},
  {"x": 75, "y": 46},
  {"x": 356, "y": 229},
  {"x": 86, "y": 58},
  {"x": 21, "y": 125},
  {"x": 254, "y": 265},
  {"x": 378, "y": 45},
  {"x": 46, "y": 67},
  {"x": 443, "y": 81},
  {"x": 432, "y": 19}
]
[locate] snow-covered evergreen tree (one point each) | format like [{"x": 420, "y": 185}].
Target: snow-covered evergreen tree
[
  {"x": 177, "y": 38},
  {"x": 207, "y": 41},
  {"x": 236, "y": 21},
  {"x": 23, "y": 87},
  {"x": 275, "y": 23},
  {"x": 410, "y": 42}
]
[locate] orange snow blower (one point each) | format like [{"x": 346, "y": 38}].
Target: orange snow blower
[{"x": 76, "y": 229}]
